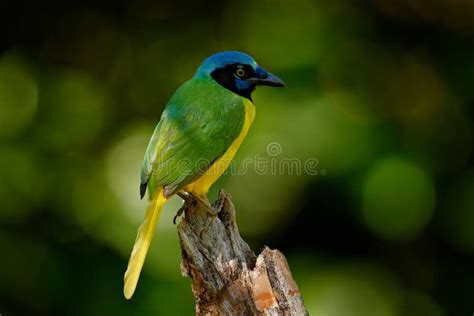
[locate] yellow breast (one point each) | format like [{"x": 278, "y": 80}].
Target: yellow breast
[{"x": 201, "y": 185}]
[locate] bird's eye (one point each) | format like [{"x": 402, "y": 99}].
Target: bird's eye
[{"x": 240, "y": 72}]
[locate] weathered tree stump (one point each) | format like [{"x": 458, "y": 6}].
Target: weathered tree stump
[{"x": 227, "y": 277}]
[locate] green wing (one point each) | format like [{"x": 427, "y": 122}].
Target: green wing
[{"x": 197, "y": 127}]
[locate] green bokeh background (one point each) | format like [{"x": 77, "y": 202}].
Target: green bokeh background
[{"x": 380, "y": 99}]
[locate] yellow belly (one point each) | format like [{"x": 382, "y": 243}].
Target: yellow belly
[{"x": 202, "y": 184}]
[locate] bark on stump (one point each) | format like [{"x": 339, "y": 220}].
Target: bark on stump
[{"x": 227, "y": 277}]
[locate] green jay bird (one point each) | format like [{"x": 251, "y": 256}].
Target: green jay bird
[{"x": 198, "y": 134}]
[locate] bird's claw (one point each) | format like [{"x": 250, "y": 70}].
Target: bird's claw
[
  {"x": 219, "y": 204},
  {"x": 179, "y": 213},
  {"x": 188, "y": 200},
  {"x": 213, "y": 212}
]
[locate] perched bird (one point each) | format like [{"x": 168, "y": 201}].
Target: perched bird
[{"x": 195, "y": 140}]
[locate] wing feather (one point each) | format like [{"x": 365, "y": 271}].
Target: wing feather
[{"x": 197, "y": 127}]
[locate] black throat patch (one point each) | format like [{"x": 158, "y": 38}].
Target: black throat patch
[{"x": 226, "y": 77}]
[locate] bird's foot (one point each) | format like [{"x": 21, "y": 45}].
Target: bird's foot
[
  {"x": 188, "y": 200},
  {"x": 219, "y": 204},
  {"x": 179, "y": 212},
  {"x": 213, "y": 210}
]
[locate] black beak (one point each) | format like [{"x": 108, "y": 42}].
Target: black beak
[
  {"x": 268, "y": 79},
  {"x": 272, "y": 81}
]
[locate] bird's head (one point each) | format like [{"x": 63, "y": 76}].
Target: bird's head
[{"x": 237, "y": 72}]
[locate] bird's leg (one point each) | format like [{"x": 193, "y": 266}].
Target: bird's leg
[
  {"x": 213, "y": 210},
  {"x": 219, "y": 204},
  {"x": 188, "y": 200}
]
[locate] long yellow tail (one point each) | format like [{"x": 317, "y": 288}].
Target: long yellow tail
[{"x": 142, "y": 244}]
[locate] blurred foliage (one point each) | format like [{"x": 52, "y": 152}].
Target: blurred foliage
[{"x": 380, "y": 93}]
